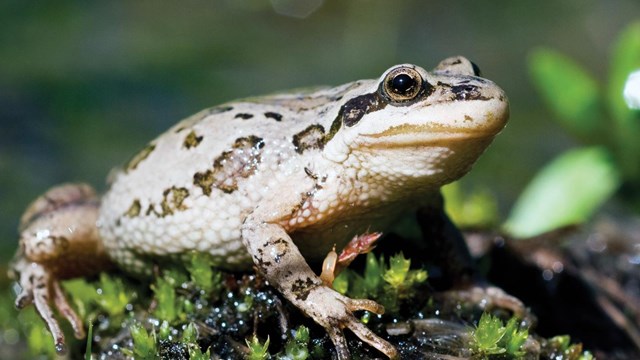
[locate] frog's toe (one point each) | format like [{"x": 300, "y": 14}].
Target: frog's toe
[
  {"x": 365, "y": 304},
  {"x": 37, "y": 287},
  {"x": 35, "y": 284},
  {"x": 365, "y": 334},
  {"x": 62, "y": 304},
  {"x": 339, "y": 342},
  {"x": 349, "y": 321}
]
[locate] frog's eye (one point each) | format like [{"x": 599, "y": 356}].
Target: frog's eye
[{"x": 402, "y": 84}]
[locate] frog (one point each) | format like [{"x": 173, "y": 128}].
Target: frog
[{"x": 272, "y": 183}]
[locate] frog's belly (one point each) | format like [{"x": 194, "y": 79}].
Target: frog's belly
[{"x": 208, "y": 229}]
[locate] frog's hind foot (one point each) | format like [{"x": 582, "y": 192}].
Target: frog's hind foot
[
  {"x": 37, "y": 288},
  {"x": 362, "y": 331},
  {"x": 338, "y": 315}
]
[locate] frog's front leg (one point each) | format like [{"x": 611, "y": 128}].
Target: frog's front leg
[{"x": 280, "y": 261}]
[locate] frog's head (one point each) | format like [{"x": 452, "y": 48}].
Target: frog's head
[{"x": 425, "y": 125}]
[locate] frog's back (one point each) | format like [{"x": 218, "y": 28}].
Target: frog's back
[{"x": 191, "y": 188}]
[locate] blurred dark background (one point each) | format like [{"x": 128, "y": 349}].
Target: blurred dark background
[{"x": 84, "y": 84}]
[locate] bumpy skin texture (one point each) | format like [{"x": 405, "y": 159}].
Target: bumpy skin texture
[{"x": 277, "y": 181}]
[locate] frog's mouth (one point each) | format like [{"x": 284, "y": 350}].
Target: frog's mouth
[{"x": 409, "y": 135}]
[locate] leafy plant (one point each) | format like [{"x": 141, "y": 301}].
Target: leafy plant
[
  {"x": 492, "y": 337},
  {"x": 387, "y": 284},
  {"x": 144, "y": 343},
  {"x": 573, "y": 186},
  {"x": 257, "y": 350}
]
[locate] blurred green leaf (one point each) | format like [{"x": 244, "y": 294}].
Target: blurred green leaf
[
  {"x": 569, "y": 91},
  {"x": 566, "y": 191},
  {"x": 626, "y": 58},
  {"x": 476, "y": 209}
]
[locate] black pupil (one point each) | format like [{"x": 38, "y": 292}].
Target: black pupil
[{"x": 402, "y": 83}]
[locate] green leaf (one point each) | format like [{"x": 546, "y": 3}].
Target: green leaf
[
  {"x": 626, "y": 59},
  {"x": 568, "y": 90},
  {"x": 566, "y": 191}
]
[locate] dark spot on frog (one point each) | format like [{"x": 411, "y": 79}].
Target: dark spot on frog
[
  {"x": 172, "y": 200},
  {"x": 302, "y": 288},
  {"x": 310, "y": 173},
  {"x": 310, "y": 138},
  {"x": 248, "y": 142},
  {"x": 467, "y": 92},
  {"x": 263, "y": 265},
  {"x": 243, "y": 116},
  {"x": 353, "y": 110},
  {"x": 468, "y": 118},
  {"x": 134, "y": 209},
  {"x": 204, "y": 180},
  {"x": 230, "y": 166},
  {"x": 139, "y": 157},
  {"x": 192, "y": 140},
  {"x": 273, "y": 115},
  {"x": 456, "y": 62}
]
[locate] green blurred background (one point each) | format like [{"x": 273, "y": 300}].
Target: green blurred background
[{"x": 84, "y": 84}]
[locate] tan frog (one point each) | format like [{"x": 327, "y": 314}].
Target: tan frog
[{"x": 273, "y": 182}]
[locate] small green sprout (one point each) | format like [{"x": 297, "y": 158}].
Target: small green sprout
[
  {"x": 297, "y": 347},
  {"x": 487, "y": 335},
  {"x": 168, "y": 306},
  {"x": 87, "y": 352},
  {"x": 196, "y": 354},
  {"x": 388, "y": 285},
  {"x": 113, "y": 296},
  {"x": 164, "y": 332},
  {"x": 492, "y": 337},
  {"x": 400, "y": 281},
  {"x": 189, "y": 338},
  {"x": 190, "y": 333},
  {"x": 257, "y": 350},
  {"x": 565, "y": 350},
  {"x": 144, "y": 344},
  {"x": 202, "y": 274},
  {"x": 514, "y": 338}
]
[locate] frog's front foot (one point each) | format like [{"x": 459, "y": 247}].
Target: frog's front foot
[
  {"x": 335, "y": 313},
  {"x": 58, "y": 240},
  {"x": 38, "y": 287}
]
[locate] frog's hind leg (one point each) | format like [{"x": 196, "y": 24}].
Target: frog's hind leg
[{"x": 58, "y": 240}]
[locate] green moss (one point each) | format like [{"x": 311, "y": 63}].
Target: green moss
[
  {"x": 202, "y": 274},
  {"x": 257, "y": 350},
  {"x": 168, "y": 306},
  {"x": 144, "y": 343},
  {"x": 388, "y": 284}
]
